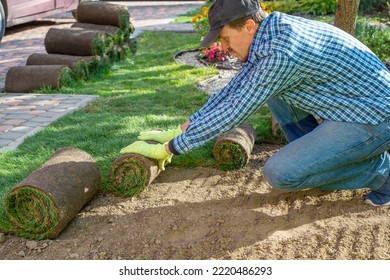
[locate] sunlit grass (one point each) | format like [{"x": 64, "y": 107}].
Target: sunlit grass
[{"x": 149, "y": 91}]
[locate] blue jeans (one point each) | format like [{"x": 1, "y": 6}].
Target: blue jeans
[{"x": 331, "y": 155}]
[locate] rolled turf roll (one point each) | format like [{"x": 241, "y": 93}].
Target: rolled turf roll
[
  {"x": 100, "y": 27},
  {"x": 118, "y": 35},
  {"x": 57, "y": 59},
  {"x": 24, "y": 79},
  {"x": 78, "y": 64},
  {"x": 131, "y": 173},
  {"x": 232, "y": 149},
  {"x": 103, "y": 13},
  {"x": 76, "y": 41},
  {"x": 50, "y": 197}
]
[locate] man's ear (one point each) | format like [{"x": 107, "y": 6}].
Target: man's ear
[{"x": 250, "y": 26}]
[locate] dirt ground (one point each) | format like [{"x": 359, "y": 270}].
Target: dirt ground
[{"x": 206, "y": 213}]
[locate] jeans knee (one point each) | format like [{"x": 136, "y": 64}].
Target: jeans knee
[{"x": 278, "y": 178}]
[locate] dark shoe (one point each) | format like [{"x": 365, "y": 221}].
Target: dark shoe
[
  {"x": 380, "y": 197},
  {"x": 376, "y": 198}
]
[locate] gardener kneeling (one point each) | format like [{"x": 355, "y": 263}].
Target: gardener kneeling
[{"x": 304, "y": 70}]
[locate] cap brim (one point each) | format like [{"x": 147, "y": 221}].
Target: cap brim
[{"x": 210, "y": 37}]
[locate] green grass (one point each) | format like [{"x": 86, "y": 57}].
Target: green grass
[{"x": 149, "y": 91}]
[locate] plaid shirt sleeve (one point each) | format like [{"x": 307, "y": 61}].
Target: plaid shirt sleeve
[
  {"x": 213, "y": 100},
  {"x": 245, "y": 93}
]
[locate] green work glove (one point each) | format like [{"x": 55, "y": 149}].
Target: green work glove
[
  {"x": 160, "y": 136},
  {"x": 155, "y": 151}
]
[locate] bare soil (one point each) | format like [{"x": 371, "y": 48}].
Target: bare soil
[{"x": 205, "y": 213}]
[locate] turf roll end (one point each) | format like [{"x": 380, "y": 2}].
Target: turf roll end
[
  {"x": 131, "y": 173},
  {"x": 232, "y": 149}
]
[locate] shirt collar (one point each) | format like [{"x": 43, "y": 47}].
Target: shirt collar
[{"x": 256, "y": 39}]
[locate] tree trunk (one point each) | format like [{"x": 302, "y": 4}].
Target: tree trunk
[{"x": 346, "y": 14}]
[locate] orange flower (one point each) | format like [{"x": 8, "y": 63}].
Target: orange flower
[
  {"x": 205, "y": 11},
  {"x": 196, "y": 17},
  {"x": 264, "y": 7}
]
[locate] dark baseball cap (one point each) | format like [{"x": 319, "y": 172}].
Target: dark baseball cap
[{"x": 223, "y": 12}]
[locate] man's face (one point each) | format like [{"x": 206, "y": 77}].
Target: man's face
[{"x": 238, "y": 41}]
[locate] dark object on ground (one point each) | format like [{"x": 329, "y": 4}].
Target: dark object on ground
[
  {"x": 105, "y": 28},
  {"x": 24, "y": 79},
  {"x": 77, "y": 41},
  {"x": 233, "y": 149},
  {"x": 117, "y": 35},
  {"x": 104, "y": 13},
  {"x": 57, "y": 59},
  {"x": 49, "y": 198},
  {"x": 80, "y": 65}
]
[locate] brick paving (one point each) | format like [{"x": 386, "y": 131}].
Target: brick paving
[{"x": 22, "y": 115}]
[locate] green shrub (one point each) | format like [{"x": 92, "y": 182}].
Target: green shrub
[
  {"x": 318, "y": 7},
  {"x": 284, "y": 6},
  {"x": 374, "y": 37},
  {"x": 370, "y": 5}
]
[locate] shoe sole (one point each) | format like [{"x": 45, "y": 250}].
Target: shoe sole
[{"x": 367, "y": 201}]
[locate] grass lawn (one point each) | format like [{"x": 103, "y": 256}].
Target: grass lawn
[{"x": 149, "y": 91}]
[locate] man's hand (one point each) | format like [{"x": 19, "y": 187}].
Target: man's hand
[
  {"x": 160, "y": 136},
  {"x": 155, "y": 151}
]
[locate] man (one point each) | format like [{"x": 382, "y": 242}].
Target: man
[{"x": 304, "y": 70}]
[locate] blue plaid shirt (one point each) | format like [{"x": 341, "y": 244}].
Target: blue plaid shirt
[{"x": 310, "y": 65}]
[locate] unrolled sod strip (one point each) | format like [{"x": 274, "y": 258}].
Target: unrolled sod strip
[
  {"x": 131, "y": 173},
  {"x": 103, "y": 13},
  {"x": 233, "y": 149},
  {"x": 24, "y": 79},
  {"x": 50, "y": 197},
  {"x": 76, "y": 41}
]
